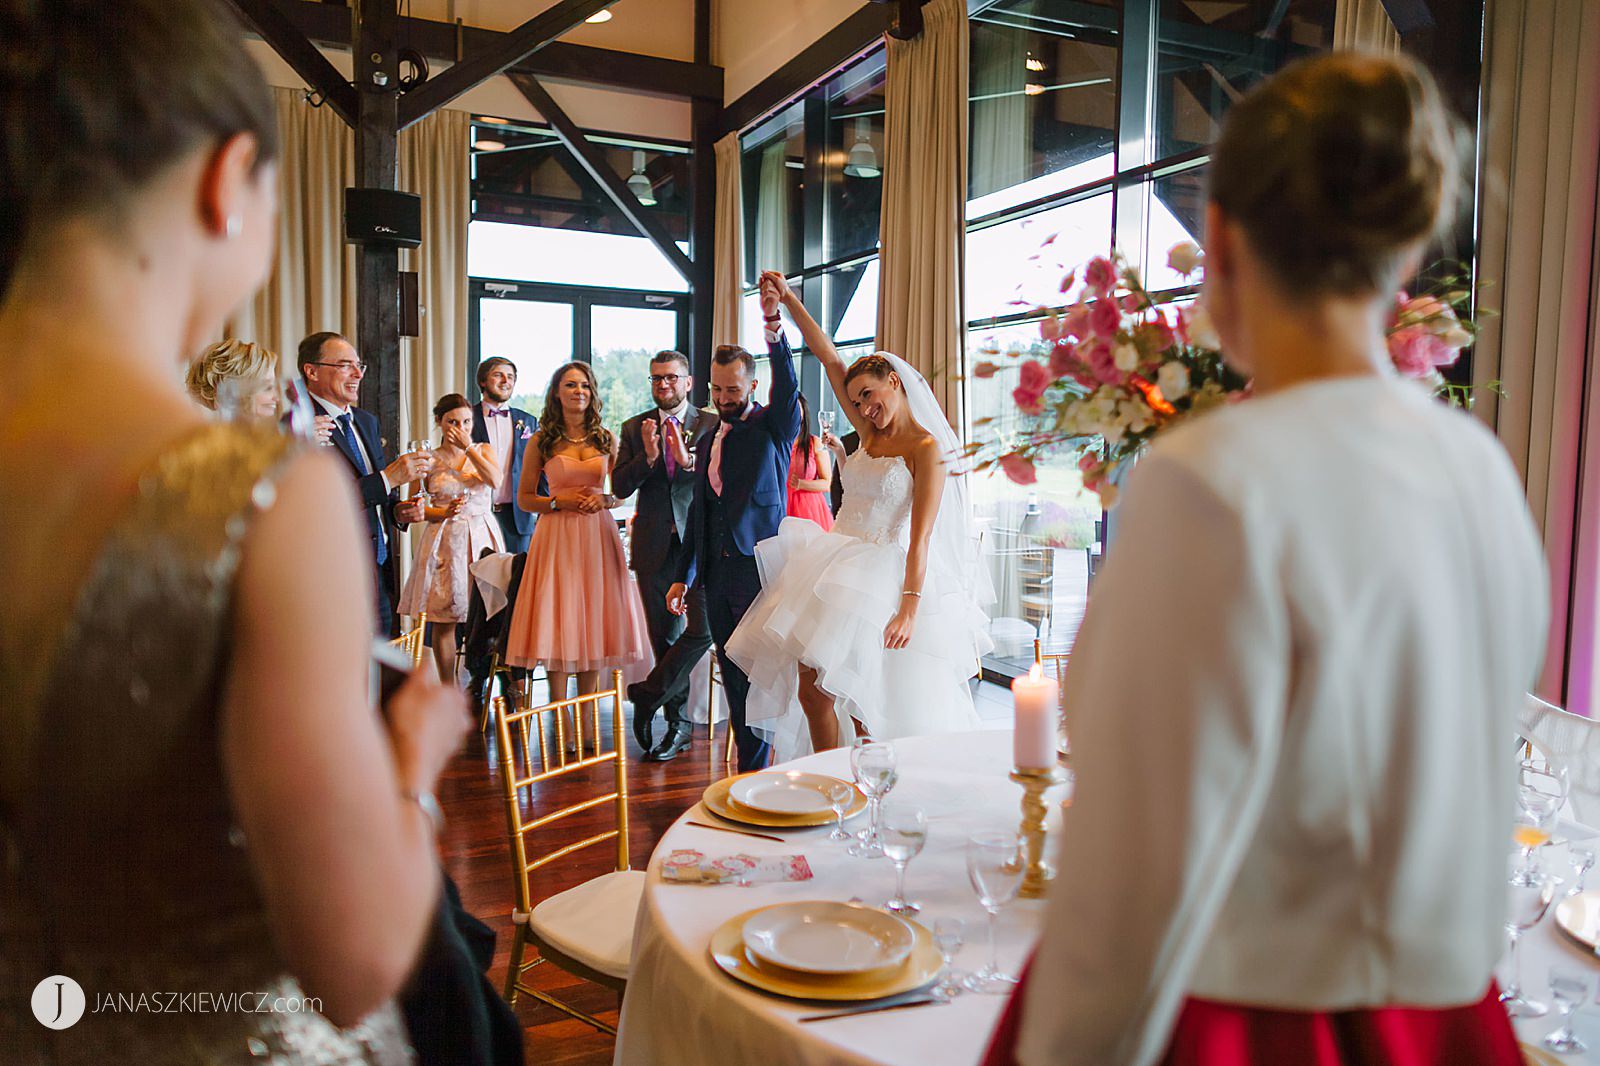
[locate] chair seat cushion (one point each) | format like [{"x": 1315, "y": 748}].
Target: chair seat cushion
[{"x": 593, "y": 923}]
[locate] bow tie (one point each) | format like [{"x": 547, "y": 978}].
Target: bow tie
[{"x": 502, "y": 413}]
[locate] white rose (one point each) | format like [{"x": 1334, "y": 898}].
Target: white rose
[
  {"x": 1184, "y": 257},
  {"x": 1126, "y": 356},
  {"x": 1201, "y": 332},
  {"x": 1173, "y": 381}
]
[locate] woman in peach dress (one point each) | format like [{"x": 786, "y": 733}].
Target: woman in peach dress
[{"x": 578, "y": 609}]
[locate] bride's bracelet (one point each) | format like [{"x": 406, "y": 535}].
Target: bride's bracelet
[{"x": 908, "y": 592}]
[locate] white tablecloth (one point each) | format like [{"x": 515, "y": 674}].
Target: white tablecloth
[{"x": 681, "y": 1010}]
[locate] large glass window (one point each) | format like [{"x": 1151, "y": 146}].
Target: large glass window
[{"x": 772, "y": 167}]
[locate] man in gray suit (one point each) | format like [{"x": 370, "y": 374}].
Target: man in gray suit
[{"x": 656, "y": 458}]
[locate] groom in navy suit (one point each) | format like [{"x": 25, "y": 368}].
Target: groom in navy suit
[
  {"x": 333, "y": 374},
  {"x": 740, "y": 495},
  {"x": 507, "y": 430}
]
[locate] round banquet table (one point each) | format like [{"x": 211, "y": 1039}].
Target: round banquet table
[{"x": 680, "y": 1009}]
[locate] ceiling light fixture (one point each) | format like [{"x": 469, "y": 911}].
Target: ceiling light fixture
[
  {"x": 639, "y": 184},
  {"x": 486, "y": 144},
  {"x": 1034, "y": 63},
  {"x": 491, "y": 120},
  {"x": 863, "y": 159},
  {"x": 1033, "y": 88},
  {"x": 599, "y": 17}
]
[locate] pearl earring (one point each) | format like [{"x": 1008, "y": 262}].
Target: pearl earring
[{"x": 233, "y": 227}]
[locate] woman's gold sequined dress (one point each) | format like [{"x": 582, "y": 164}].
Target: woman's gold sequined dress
[{"x": 119, "y": 863}]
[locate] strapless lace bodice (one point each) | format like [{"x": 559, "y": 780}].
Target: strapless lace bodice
[{"x": 877, "y": 499}]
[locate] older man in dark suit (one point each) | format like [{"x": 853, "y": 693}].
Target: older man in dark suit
[
  {"x": 656, "y": 458},
  {"x": 333, "y": 374},
  {"x": 507, "y": 430}
]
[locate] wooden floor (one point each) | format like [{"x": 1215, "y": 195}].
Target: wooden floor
[{"x": 477, "y": 855}]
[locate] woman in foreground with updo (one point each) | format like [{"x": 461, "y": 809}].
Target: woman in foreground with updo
[
  {"x": 1292, "y": 695},
  {"x": 875, "y": 626}
]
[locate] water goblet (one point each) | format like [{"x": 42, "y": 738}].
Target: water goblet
[
  {"x": 1528, "y": 906},
  {"x": 874, "y": 766},
  {"x": 1581, "y": 856},
  {"x": 994, "y": 867},
  {"x": 904, "y": 831},
  {"x": 840, "y": 796},
  {"x": 948, "y": 935},
  {"x": 1531, "y": 833},
  {"x": 1570, "y": 989}
]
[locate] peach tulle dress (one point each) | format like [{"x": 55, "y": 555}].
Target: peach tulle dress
[{"x": 578, "y": 607}]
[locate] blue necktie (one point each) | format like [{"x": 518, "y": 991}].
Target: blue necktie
[{"x": 347, "y": 426}]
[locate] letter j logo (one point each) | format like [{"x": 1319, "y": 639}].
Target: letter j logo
[{"x": 58, "y": 1002}]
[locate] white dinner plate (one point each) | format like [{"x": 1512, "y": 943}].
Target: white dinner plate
[
  {"x": 783, "y": 793},
  {"x": 827, "y": 938}
]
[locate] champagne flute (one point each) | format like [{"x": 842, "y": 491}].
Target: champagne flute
[
  {"x": 994, "y": 866},
  {"x": 874, "y": 767},
  {"x": 1571, "y": 989},
  {"x": 420, "y": 486},
  {"x": 825, "y": 421},
  {"x": 840, "y": 796},
  {"x": 948, "y": 934},
  {"x": 1528, "y": 906},
  {"x": 905, "y": 831}
]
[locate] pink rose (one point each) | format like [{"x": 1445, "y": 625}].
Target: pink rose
[
  {"x": 1029, "y": 403},
  {"x": 1019, "y": 469},
  {"x": 1035, "y": 378},
  {"x": 1102, "y": 361},
  {"x": 1075, "y": 320},
  {"x": 1063, "y": 358},
  {"x": 1184, "y": 257},
  {"x": 1050, "y": 328},
  {"x": 1104, "y": 318},
  {"x": 1416, "y": 352},
  {"x": 1100, "y": 275}
]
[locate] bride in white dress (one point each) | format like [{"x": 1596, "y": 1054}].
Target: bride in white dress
[{"x": 879, "y": 621}]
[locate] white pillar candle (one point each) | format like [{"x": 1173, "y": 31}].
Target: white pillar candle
[{"x": 1038, "y": 702}]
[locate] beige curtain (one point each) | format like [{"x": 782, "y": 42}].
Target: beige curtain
[
  {"x": 923, "y": 227},
  {"x": 1363, "y": 26},
  {"x": 434, "y": 164},
  {"x": 1538, "y": 250},
  {"x": 729, "y": 282},
  {"x": 308, "y": 289}
]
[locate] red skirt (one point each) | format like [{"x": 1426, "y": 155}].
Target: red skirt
[{"x": 1209, "y": 1033}]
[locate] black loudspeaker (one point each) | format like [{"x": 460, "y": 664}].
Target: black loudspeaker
[
  {"x": 382, "y": 217},
  {"x": 410, "y": 305}
]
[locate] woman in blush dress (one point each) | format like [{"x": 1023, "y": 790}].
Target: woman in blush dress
[
  {"x": 1292, "y": 693},
  {"x": 461, "y": 524},
  {"x": 578, "y": 609},
  {"x": 810, "y": 475}
]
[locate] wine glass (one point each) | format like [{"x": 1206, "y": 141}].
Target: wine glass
[
  {"x": 840, "y": 796},
  {"x": 905, "y": 831},
  {"x": 874, "y": 766},
  {"x": 948, "y": 935},
  {"x": 1528, "y": 906},
  {"x": 1581, "y": 857},
  {"x": 825, "y": 420},
  {"x": 1571, "y": 989},
  {"x": 420, "y": 447},
  {"x": 1541, "y": 792},
  {"x": 994, "y": 866}
]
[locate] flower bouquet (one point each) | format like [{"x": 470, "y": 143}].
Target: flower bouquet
[{"x": 1114, "y": 369}]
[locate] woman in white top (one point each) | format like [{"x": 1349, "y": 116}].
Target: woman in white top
[{"x": 1293, "y": 696}]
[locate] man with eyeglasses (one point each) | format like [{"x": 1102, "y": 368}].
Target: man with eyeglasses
[
  {"x": 656, "y": 458},
  {"x": 333, "y": 374},
  {"x": 507, "y": 430}
]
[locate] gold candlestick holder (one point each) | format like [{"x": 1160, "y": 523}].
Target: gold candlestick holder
[{"x": 1035, "y": 783}]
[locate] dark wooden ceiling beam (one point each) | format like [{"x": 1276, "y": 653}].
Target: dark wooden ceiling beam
[
  {"x": 290, "y": 41},
  {"x": 510, "y": 49},
  {"x": 593, "y": 161},
  {"x": 329, "y": 24}
]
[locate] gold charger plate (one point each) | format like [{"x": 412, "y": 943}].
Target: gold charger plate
[
  {"x": 729, "y": 955},
  {"x": 1579, "y": 918},
  {"x": 719, "y": 803}
]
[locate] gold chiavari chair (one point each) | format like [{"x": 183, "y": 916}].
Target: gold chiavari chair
[
  {"x": 588, "y": 930},
  {"x": 411, "y": 642},
  {"x": 715, "y": 674}
]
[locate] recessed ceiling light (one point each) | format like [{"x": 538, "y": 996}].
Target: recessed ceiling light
[
  {"x": 494, "y": 121},
  {"x": 599, "y": 17},
  {"x": 484, "y": 144}
]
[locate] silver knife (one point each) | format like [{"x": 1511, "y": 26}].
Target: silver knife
[{"x": 872, "y": 1008}]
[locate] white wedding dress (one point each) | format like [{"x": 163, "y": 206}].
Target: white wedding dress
[{"x": 825, "y": 600}]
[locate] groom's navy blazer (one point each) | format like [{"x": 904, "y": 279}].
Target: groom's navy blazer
[{"x": 755, "y": 469}]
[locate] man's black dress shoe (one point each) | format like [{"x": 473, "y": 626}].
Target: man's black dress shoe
[
  {"x": 644, "y": 720},
  {"x": 674, "y": 744}
]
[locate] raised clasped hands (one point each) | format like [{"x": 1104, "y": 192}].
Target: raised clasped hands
[
  {"x": 675, "y": 444},
  {"x": 775, "y": 292}
]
